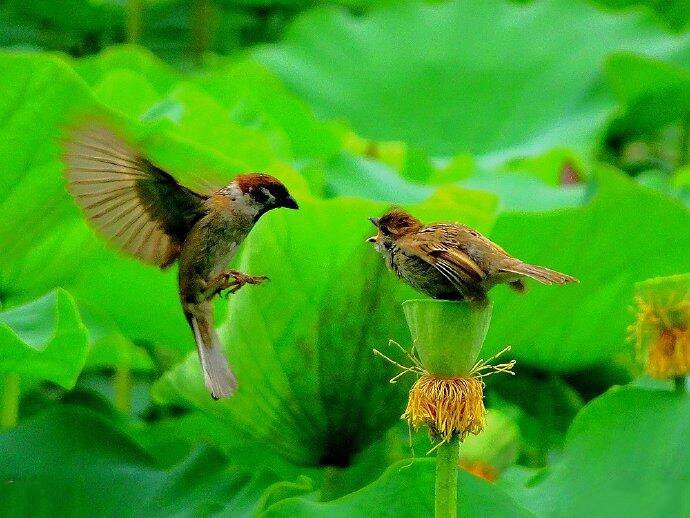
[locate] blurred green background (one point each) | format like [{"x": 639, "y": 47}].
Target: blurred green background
[{"x": 559, "y": 128}]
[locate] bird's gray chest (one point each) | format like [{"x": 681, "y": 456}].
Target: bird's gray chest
[
  {"x": 225, "y": 240},
  {"x": 420, "y": 275}
]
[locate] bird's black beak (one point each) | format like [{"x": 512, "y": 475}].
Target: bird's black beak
[
  {"x": 375, "y": 221},
  {"x": 372, "y": 239},
  {"x": 290, "y": 203}
]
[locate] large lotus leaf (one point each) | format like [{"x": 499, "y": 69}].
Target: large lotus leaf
[
  {"x": 68, "y": 21},
  {"x": 347, "y": 175},
  {"x": 108, "y": 346},
  {"x": 493, "y": 79},
  {"x": 55, "y": 247},
  {"x": 46, "y": 242},
  {"x": 623, "y": 234},
  {"x": 542, "y": 407},
  {"x": 239, "y": 109},
  {"x": 203, "y": 119},
  {"x": 626, "y": 455},
  {"x": 652, "y": 94},
  {"x": 520, "y": 191},
  {"x": 301, "y": 343},
  {"x": 80, "y": 465},
  {"x": 44, "y": 339},
  {"x": 676, "y": 13},
  {"x": 127, "y": 92},
  {"x": 138, "y": 84},
  {"x": 172, "y": 439},
  {"x": 406, "y": 489},
  {"x": 255, "y": 98},
  {"x": 128, "y": 58}
]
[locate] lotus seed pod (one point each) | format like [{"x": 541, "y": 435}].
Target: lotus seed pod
[{"x": 448, "y": 335}]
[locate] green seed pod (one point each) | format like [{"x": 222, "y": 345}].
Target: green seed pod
[{"x": 448, "y": 335}]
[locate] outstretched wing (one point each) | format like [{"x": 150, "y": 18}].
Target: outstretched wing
[
  {"x": 440, "y": 246},
  {"x": 137, "y": 205}
]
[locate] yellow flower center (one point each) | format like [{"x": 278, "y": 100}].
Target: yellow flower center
[{"x": 449, "y": 407}]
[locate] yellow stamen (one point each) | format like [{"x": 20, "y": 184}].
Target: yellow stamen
[{"x": 449, "y": 407}]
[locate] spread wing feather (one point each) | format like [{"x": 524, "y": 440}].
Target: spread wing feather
[{"x": 137, "y": 205}]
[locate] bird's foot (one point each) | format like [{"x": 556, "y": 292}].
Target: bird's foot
[{"x": 233, "y": 280}]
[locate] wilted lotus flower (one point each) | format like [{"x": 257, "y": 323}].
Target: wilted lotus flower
[
  {"x": 661, "y": 331},
  {"x": 448, "y": 397}
]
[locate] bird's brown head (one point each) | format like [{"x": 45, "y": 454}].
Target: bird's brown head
[
  {"x": 393, "y": 225},
  {"x": 264, "y": 192}
]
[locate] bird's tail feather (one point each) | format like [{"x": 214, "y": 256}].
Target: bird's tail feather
[
  {"x": 539, "y": 273},
  {"x": 218, "y": 377}
]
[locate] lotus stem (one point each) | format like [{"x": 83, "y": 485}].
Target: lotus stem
[
  {"x": 447, "y": 458},
  {"x": 684, "y": 143},
  {"x": 200, "y": 29},
  {"x": 122, "y": 385},
  {"x": 680, "y": 384},
  {"x": 133, "y": 8},
  {"x": 332, "y": 479},
  {"x": 9, "y": 412}
]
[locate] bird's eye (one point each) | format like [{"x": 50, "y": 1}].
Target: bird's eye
[
  {"x": 384, "y": 230},
  {"x": 261, "y": 195}
]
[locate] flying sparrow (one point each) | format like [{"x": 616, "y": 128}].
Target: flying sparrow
[
  {"x": 451, "y": 261},
  {"x": 144, "y": 211}
]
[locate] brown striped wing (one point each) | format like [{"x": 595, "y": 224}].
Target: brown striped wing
[
  {"x": 441, "y": 246},
  {"x": 138, "y": 206}
]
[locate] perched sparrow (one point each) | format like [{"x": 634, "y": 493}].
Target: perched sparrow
[
  {"x": 451, "y": 261},
  {"x": 149, "y": 215}
]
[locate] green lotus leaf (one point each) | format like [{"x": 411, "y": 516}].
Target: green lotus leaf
[
  {"x": 238, "y": 109},
  {"x": 347, "y": 175},
  {"x": 495, "y": 449},
  {"x": 44, "y": 339},
  {"x": 406, "y": 489},
  {"x": 256, "y": 99},
  {"x": 301, "y": 344},
  {"x": 108, "y": 346},
  {"x": 603, "y": 450},
  {"x": 542, "y": 408},
  {"x": 128, "y": 58},
  {"x": 127, "y": 92},
  {"x": 102, "y": 471},
  {"x": 675, "y": 13},
  {"x": 465, "y": 77},
  {"x": 225, "y": 136},
  {"x": 521, "y": 191},
  {"x": 609, "y": 243},
  {"x": 652, "y": 93}
]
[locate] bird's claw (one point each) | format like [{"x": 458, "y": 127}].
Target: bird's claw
[{"x": 234, "y": 280}]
